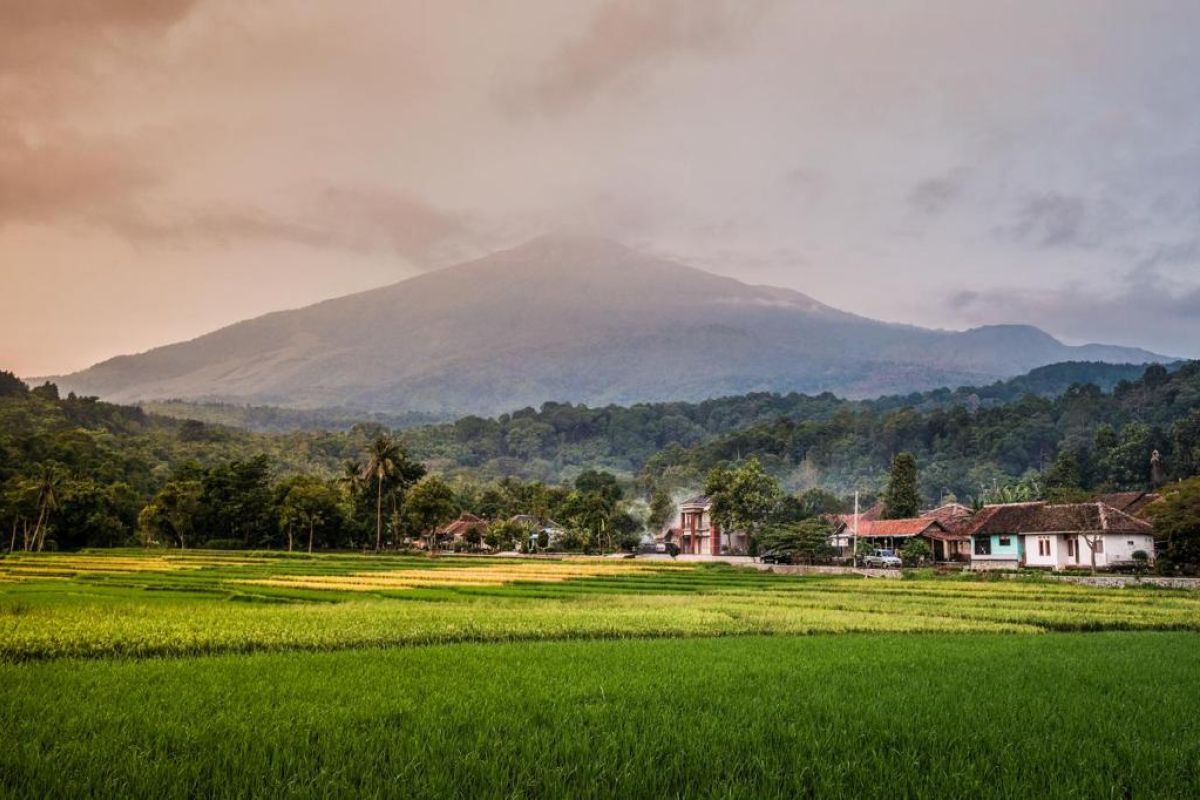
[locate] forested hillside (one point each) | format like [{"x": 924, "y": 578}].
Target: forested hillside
[
  {"x": 88, "y": 470},
  {"x": 1086, "y": 438}
]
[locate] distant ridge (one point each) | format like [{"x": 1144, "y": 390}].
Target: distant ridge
[{"x": 570, "y": 319}]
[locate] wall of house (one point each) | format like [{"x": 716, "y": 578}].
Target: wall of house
[
  {"x": 1034, "y": 556},
  {"x": 1004, "y": 547},
  {"x": 1115, "y": 549},
  {"x": 1120, "y": 547}
]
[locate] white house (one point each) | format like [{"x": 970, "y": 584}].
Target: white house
[{"x": 1057, "y": 536}]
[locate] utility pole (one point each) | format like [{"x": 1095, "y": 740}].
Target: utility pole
[{"x": 854, "y": 543}]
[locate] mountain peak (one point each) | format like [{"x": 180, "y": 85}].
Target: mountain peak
[{"x": 567, "y": 317}]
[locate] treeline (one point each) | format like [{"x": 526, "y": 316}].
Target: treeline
[
  {"x": 76, "y": 472},
  {"x": 103, "y": 465},
  {"x": 1100, "y": 441}
]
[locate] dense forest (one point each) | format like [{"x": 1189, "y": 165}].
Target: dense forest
[{"x": 77, "y": 471}]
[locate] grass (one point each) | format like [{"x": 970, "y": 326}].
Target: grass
[
  {"x": 235, "y": 674},
  {"x": 1058, "y": 715}
]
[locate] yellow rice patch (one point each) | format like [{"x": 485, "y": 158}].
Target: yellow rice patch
[{"x": 495, "y": 575}]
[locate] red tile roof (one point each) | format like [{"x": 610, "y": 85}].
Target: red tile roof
[{"x": 914, "y": 526}]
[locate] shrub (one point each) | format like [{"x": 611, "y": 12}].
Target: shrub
[
  {"x": 223, "y": 544},
  {"x": 915, "y": 552}
]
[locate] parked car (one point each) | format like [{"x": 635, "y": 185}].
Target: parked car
[
  {"x": 882, "y": 559},
  {"x": 776, "y": 557},
  {"x": 658, "y": 548}
]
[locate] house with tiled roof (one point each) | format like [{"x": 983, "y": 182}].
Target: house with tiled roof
[
  {"x": 459, "y": 529},
  {"x": 694, "y": 532},
  {"x": 1057, "y": 536},
  {"x": 1134, "y": 503},
  {"x": 953, "y": 516},
  {"x": 944, "y": 543}
]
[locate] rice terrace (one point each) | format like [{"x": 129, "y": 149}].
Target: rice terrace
[{"x": 234, "y": 673}]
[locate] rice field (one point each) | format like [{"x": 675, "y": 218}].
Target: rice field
[
  {"x": 96, "y": 605},
  {"x": 212, "y": 674}
]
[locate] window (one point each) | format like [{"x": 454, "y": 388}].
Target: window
[
  {"x": 1005, "y": 541},
  {"x": 983, "y": 546},
  {"x": 1099, "y": 548},
  {"x": 1043, "y": 545},
  {"x": 1070, "y": 548}
]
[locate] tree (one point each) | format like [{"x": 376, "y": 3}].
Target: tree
[
  {"x": 310, "y": 503},
  {"x": 1177, "y": 521},
  {"x": 902, "y": 499},
  {"x": 173, "y": 512},
  {"x": 662, "y": 509},
  {"x": 1064, "y": 479},
  {"x": 805, "y": 541},
  {"x": 389, "y": 466},
  {"x": 428, "y": 506},
  {"x": 743, "y": 499},
  {"x": 915, "y": 551},
  {"x": 238, "y": 502},
  {"x": 503, "y": 533},
  {"x": 48, "y": 481}
]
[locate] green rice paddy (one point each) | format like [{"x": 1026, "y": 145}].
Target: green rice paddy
[{"x": 209, "y": 674}]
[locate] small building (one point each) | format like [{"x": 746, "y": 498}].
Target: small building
[
  {"x": 459, "y": 529},
  {"x": 1057, "y": 536},
  {"x": 539, "y": 529},
  {"x": 694, "y": 532},
  {"x": 894, "y": 534}
]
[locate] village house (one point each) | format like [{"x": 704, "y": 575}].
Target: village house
[
  {"x": 540, "y": 531},
  {"x": 459, "y": 530},
  {"x": 1057, "y": 536},
  {"x": 942, "y": 529},
  {"x": 694, "y": 532}
]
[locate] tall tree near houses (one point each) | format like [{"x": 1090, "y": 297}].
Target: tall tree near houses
[
  {"x": 383, "y": 457},
  {"x": 428, "y": 506},
  {"x": 902, "y": 498},
  {"x": 744, "y": 498},
  {"x": 391, "y": 470},
  {"x": 47, "y": 497}
]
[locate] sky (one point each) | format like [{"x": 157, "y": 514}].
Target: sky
[{"x": 171, "y": 166}]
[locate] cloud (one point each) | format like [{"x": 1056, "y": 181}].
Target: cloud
[
  {"x": 337, "y": 218},
  {"x": 58, "y": 33},
  {"x": 934, "y": 195},
  {"x": 68, "y": 176},
  {"x": 627, "y": 37}
]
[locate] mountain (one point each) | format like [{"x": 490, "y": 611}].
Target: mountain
[{"x": 571, "y": 319}]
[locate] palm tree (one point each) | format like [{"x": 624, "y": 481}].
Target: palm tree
[
  {"x": 383, "y": 458},
  {"x": 47, "y": 499}
]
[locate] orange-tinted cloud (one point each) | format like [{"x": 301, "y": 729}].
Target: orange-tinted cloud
[{"x": 626, "y": 37}]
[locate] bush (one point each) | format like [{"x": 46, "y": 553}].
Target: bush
[
  {"x": 223, "y": 544},
  {"x": 916, "y": 551}
]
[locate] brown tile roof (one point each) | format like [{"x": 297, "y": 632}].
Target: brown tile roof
[
  {"x": 1042, "y": 517},
  {"x": 463, "y": 525},
  {"x": 953, "y": 516},
  {"x": 1130, "y": 502},
  {"x": 699, "y": 501}
]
